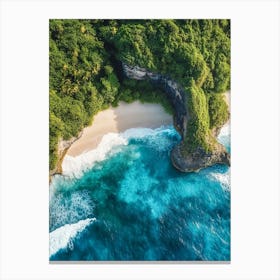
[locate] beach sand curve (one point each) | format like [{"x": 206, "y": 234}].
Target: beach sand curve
[{"x": 119, "y": 119}]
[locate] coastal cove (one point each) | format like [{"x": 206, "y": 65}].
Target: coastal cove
[
  {"x": 116, "y": 202},
  {"x": 139, "y": 146},
  {"x": 118, "y": 119},
  {"x": 115, "y": 120},
  {"x": 199, "y": 147},
  {"x": 95, "y": 64},
  {"x": 193, "y": 152}
]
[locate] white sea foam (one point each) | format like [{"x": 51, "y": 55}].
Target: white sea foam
[
  {"x": 63, "y": 236},
  {"x": 224, "y": 135},
  {"x": 225, "y": 131},
  {"x": 75, "y": 166},
  {"x": 223, "y": 178},
  {"x": 70, "y": 208},
  {"x": 142, "y": 132}
]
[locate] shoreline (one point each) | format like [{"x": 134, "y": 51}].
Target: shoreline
[
  {"x": 227, "y": 97},
  {"x": 119, "y": 119}
]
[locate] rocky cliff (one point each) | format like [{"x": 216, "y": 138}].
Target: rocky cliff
[
  {"x": 63, "y": 146},
  {"x": 175, "y": 93},
  {"x": 178, "y": 97}
]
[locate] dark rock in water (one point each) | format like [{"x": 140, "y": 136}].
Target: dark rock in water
[
  {"x": 199, "y": 159},
  {"x": 180, "y": 159}
]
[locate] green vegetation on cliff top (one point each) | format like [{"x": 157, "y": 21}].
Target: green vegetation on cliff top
[{"x": 85, "y": 76}]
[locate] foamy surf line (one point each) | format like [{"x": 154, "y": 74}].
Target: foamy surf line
[
  {"x": 76, "y": 166},
  {"x": 223, "y": 179},
  {"x": 62, "y": 237},
  {"x": 225, "y": 131}
]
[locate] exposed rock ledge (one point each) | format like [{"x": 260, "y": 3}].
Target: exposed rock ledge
[
  {"x": 178, "y": 97},
  {"x": 63, "y": 146}
]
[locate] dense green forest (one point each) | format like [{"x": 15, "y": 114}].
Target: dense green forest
[{"x": 85, "y": 76}]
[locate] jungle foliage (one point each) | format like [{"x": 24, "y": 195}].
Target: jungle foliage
[{"x": 85, "y": 79}]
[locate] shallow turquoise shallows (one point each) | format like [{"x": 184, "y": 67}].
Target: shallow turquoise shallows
[{"x": 134, "y": 205}]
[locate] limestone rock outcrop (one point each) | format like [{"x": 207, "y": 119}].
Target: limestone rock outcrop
[
  {"x": 63, "y": 146},
  {"x": 178, "y": 97}
]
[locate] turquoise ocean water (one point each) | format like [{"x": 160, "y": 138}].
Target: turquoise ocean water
[{"x": 125, "y": 201}]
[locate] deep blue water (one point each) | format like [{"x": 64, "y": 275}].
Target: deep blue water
[{"x": 144, "y": 209}]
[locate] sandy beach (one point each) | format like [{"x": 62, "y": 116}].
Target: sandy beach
[
  {"x": 119, "y": 119},
  {"x": 227, "y": 97}
]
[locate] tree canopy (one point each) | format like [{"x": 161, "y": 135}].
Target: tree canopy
[{"x": 84, "y": 76}]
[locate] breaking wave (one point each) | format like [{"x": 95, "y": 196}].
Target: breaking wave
[
  {"x": 76, "y": 166},
  {"x": 62, "y": 237},
  {"x": 146, "y": 209}
]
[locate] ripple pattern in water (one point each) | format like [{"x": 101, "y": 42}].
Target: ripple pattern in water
[{"x": 134, "y": 205}]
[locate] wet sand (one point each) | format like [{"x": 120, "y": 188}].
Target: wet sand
[{"x": 119, "y": 119}]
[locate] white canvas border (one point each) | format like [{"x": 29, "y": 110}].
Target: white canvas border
[{"x": 254, "y": 125}]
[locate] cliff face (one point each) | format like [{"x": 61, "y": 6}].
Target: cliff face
[
  {"x": 63, "y": 146},
  {"x": 178, "y": 97},
  {"x": 174, "y": 92}
]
